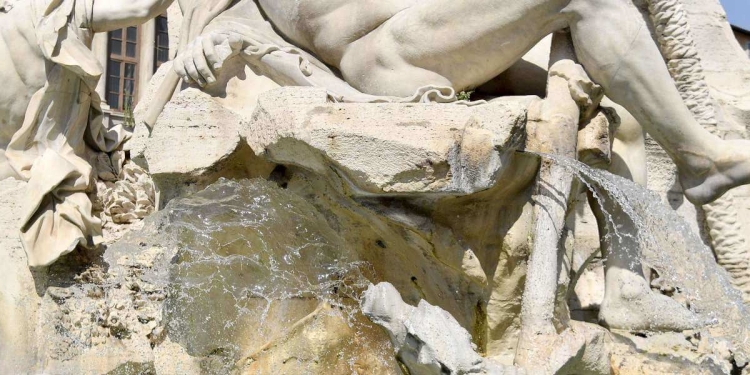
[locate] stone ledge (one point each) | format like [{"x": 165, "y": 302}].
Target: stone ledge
[
  {"x": 376, "y": 148},
  {"x": 389, "y": 148}
]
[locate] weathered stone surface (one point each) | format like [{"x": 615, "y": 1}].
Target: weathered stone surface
[
  {"x": 389, "y": 148},
  {"x": 427, "y": 339},
  {"x": 18, "y": 298},
  {"x": 385, "y": 149},
  {"x": 196, "y": 139},
  {"x": 216, "y": 282},
  {"x": 263, "y": 276},
  {"x": 194, "y": 133}
]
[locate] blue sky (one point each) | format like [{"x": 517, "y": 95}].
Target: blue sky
[{"x": 738, "y": 12}]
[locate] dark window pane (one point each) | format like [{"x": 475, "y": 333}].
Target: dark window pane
[
  {"x": 132, "y": 34},
  {"x": 130, "y": 49},
  {"x": 115, "y": 47},
  {"x": 129, "y": 70},
  {"x": 161, "y": 24},
  {"x": 162, "y": 55},
  {"x": 113, "y": 84},
  {"x": 116, "y": 34},
  {"x": 113, "y": 100},
  {"x": 128, "y": 87},
  {"x": 162, "y": 41},
  {"x": 113, "y": 68}
]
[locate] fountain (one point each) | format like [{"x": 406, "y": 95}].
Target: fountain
[{"x": 298, "y": 213}]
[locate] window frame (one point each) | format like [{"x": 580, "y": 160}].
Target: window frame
[
  {"x": 121, "y": 58},
  {"x": 157, "y": 47}
]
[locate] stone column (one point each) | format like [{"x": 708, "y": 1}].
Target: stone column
[
  {"x": 99, "y": 46},
  {"x": 146, "y": 59}
]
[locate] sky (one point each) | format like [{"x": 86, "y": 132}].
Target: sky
[{"x": 738, "y": 12}]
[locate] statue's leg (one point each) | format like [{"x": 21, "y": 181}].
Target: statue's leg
[
  {"x": 614, "y": 44},
  {"x": 466, "y": 43},
  {"x": 629, "y": 302},
  {"x": 461, "y": 44}
]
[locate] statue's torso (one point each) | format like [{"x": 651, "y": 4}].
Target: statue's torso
[
  {"x": 22, "y": 71},
  {"x": 329, "y": 27}
]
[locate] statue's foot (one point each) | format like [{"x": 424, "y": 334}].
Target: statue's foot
[
  {"x": 704, "y": 180},
  {"x": 633, "y": 306}
]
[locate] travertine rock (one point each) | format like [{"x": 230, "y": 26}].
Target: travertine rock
[
  {"x": 197, "y": 136},
  {"x": 194, "y": 133},
  {"x": 216, "y": 282},
  {"x": 128, "y": 197},
  {"x": 19, "y": 347},
  {"x": 264, "y": 275},
  {"x": 389, "y": 148},
  {"x": 428, "y": 340}
]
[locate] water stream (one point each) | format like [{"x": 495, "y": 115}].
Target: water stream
[
  {"x": 667, "y": 244},
  {"x": 248, "y": 260}
]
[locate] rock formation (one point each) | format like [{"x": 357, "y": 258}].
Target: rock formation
[{"x": 303, "y": 210}]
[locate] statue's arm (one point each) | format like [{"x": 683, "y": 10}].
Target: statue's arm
[
  {"x": 115, "y": 14},
  {"x": 241, "y": 29}
]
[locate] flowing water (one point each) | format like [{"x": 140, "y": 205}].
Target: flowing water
[
  {"x": 245, "y": 261},
  {"x": 667, "y": 244},
  {"x": 249, "y": 261}
]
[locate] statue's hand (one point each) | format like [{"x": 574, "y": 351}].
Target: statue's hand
[{"x": 205, "y": 55}]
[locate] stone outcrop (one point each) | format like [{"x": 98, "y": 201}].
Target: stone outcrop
[
  {"x": 428, "y": 340},
  {"x": 389, "y": 149},
  {"x": 264, "y": 273},
  {"x": 439, "y": 149},
  {"x": 281, "y": 208},
  {"x": 18, "y": 298}
]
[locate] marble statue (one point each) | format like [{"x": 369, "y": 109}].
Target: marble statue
[
  {"x": 388, "y": 54},
  {"x": 50, "y": 114},
  {"x": 394, "y": 49},
  {"x": 332, "y": 201},
  {"x": 428, "y": 51}
]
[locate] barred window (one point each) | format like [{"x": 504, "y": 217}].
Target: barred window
[
  {"x": 161, "y": 42},
  {"x": 122, "y": 68}
]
